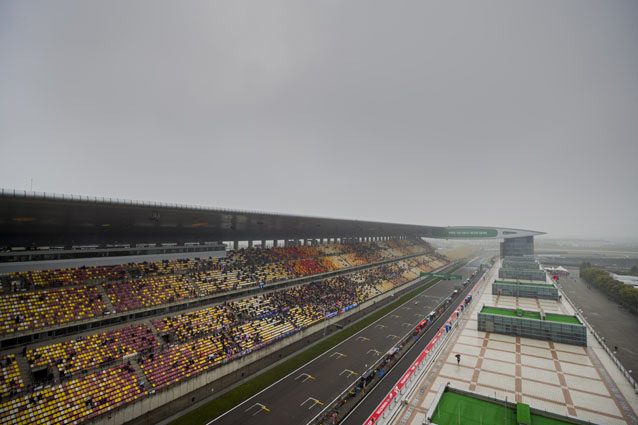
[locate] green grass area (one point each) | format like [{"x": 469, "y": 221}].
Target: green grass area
[
  {"x": 535, "y": 268},
  {"x": 232, "y": 398},
  {"x": 524, "y": 283},
  {"x": 562, "y": 318},
  {"x": 534, "y": 315},
  {"x": 459, "y": 409}
]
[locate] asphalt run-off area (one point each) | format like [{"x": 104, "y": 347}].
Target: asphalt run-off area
[{"x": 609, "y": 319}]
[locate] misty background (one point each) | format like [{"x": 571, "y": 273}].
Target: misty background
[{"x": 516, "y": 114}]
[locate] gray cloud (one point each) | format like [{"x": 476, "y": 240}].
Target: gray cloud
[{"x": 495, "y": 113}]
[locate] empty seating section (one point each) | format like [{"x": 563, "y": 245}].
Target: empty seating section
[
  {"x": 307, "y": 267},
  {"x": 149, "y": 291},
  {"x": 254, "y": 307},
  {"x": 94, "y": 350},
  {"x": 185, "y": 360},
  {"x": 84, "y": 275},
  {"x": 75, "y": 276},
  {"x": 186, "y": 326},
  {"x": 10, "y": 379},
  {"x": 263, "y": 331},
  {"x": 74, "y": 401},
  {"x": 31, "y": 310}
]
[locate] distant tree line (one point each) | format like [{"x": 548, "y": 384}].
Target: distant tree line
[{"x": 625, "y": 295}]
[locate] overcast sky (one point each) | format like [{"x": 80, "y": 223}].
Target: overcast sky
[{"x": 519, "y": 114}]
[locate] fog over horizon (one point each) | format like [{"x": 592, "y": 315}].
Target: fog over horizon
[{"x": 491, "y": 113}]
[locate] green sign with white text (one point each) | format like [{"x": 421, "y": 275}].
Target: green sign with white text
[
  {"x": 442, "y": 275},
  {"x": 470, "y": 232}
]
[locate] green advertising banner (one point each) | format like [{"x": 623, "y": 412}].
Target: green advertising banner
[
  {"x": 470, "y": 232},
  {"x": 442, "y": 275}
]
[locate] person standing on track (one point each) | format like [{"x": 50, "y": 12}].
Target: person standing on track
[{"x": 458, "y": 359}]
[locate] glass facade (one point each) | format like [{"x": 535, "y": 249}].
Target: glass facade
[
  {"x": 513, "y": 263},
  {"x": 566, "y": 333},
  {"x": 517, "y": 246},
  {"x": 528, "y": 274},
  {"x": 513, "y": 289}
]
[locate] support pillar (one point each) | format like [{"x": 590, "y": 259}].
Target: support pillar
[
  {"x": 235, "y": 245},
  {"x": 250, "y": 244}
]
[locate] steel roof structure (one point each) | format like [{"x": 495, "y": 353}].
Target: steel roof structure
[{"x": 37, "y": 218}]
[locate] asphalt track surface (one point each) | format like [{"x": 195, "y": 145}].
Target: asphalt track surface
[
  {"x": 618, "y": 326},
  {"x": 363, "y": 410},
  {"x": 300, "y": 396}
]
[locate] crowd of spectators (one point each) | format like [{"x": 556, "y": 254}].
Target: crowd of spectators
[{"x": 186, "y": 326}]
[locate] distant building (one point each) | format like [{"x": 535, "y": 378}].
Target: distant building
[
  {"x": 560, "y": 271},
  {"x": 517, "y": 246},
  {"x": 627, "y": 280}
]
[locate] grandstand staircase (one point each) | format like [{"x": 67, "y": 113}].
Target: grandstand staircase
[
  {"x": 151, "y": 325},
  {"x": 105, "y": 298},
  {"x": 25, "y": 370},
  {"x": 56, "y": 375},
  {"x": 5, "y": 286},
  {"x": 139, "y": 372}
]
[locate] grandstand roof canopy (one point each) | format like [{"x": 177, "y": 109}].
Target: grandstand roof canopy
[{"x": 36, "y": 218}]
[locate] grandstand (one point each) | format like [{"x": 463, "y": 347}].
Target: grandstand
[
  {"x": 173, "y": 348},
  {"x": 90, "y": 336}
]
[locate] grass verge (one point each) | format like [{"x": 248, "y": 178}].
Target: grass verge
[{"x": 232, "y": 398}]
